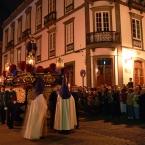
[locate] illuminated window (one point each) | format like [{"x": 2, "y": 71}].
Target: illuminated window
[
  {"x": 38, "y": 15},
  {"x": 69, "y": 5},
  {"x": 52, "y": 44},
  {"x": 102, "y": 21},
  {"x": 69, "y": 35}
]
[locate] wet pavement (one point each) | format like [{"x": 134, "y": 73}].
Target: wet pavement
[{"x": 91, "y": 132}]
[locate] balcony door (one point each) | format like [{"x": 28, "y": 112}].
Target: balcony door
[{"x": 104, "y": 71}]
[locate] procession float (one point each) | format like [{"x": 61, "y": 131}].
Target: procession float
[{"x": 22, "y": 76}]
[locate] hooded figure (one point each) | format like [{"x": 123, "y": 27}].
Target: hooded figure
[
  {"x": 65, "y": 112},
  {"x": 37, "y": 112}
]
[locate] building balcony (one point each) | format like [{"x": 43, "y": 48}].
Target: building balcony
[
  {"x": 137, "y": 4},
  {"x": 26, "y": 33},
  {"x": 103, "y": 39},
  {"x": 137, "y": 43},
  {"x": 69, "y": 8},
  {"x": 10, "y": 45},
  {"x": 50, "y": 19}
]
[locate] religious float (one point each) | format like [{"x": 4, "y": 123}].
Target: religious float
[{"x": 22, "y": 77}]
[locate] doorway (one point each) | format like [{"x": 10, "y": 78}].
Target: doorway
[{"x": 104, "y": 71}]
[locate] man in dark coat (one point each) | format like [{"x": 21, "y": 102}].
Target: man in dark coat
[
  {"x": 75, "y": 94},
  {"x": 52, "y": 106},
  {"x": 141, "y": 104},
  {"x": 11, "y": 100},
  {"x": 53, "y": 99},
  {"x": 130, "y": 83},
  {"x": 3, "y": 108}
]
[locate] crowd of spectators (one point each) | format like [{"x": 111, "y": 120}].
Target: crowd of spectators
[{"x": 113, "y": 101}]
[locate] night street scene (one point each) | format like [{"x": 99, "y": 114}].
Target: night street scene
[{"x": 72, "y": 72}]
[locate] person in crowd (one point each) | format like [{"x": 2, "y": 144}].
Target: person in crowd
[
  {"x": 116, "y": 101},
  {"x": 11, "y": 102},
  {"x": 37, "y": 113},
  {"x": 123, "y": 98},
  {"x": 142, "y": 104},
  {"x": 3, "y": 105},
  {"x": 90, "y": 102},
  {"x": 130, "y": 83},
  {"x": 65, "y": 112},
  {"x": 96, "y": 101},
  {"x": 130, "y": 103},
  {"x": 136, "y": 102},
  {"x": 74, "y": 92},
  {"x": 108, "y": 100},
  {"x": 52, "y": 104}
]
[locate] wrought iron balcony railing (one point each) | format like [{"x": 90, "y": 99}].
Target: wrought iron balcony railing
[
  {"x": 50, "y": 19},
  {"x": 69, "y": 8},
  {"x": 98, "y": 37},
  {"x": 137, "y": 43},
  {"x": 26, "y": 33}
]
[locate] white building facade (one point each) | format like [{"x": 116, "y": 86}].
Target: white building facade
[{"x": 103, "y": 37}]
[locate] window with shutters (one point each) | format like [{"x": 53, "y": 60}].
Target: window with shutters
[
  {"x": 52, "y": 44},
  {"x": 19, "y": 34},
  {"x": 51, "y": 6},
  {"x": 102, "y": 21},
  {"x": 28, "y": 19},
  {"x": 136, "y": 30},
  {"x": 6, "y": 38},
  {"x": 69, "y": 5},
  {"x": 38, "y": 15},
  {"x": 18, "y": 55},
  {"x": 38, "y": 51},
  {"x": 69, "y": 35}
]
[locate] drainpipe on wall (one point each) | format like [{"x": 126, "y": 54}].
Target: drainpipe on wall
[{"x": 88, "y": 57}]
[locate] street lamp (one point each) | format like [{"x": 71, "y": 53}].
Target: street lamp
[
  {"x": 31, "y": 51},
  {"x": 59, "y": 63},
  {"x": 30, "y": 59}
]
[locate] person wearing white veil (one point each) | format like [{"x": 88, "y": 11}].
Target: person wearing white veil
[
  {"x": 37, "y": 112},
  {"x": 65, "y": 112}
]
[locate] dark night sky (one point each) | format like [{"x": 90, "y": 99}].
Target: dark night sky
[{"x": 6, "y": 7}]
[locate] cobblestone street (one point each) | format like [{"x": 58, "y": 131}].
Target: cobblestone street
[{"x": 96, "y": 132}]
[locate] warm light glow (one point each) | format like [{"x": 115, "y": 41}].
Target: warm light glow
[
  {"x": 128, "y": 59},
  {"x": 30, "y": 59},
  {"x": 59, "y": 63},
  {"x": 7, "y": 66},
  {"x": 96, "y": 70},
  {"x": 1, "y": 79}
]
